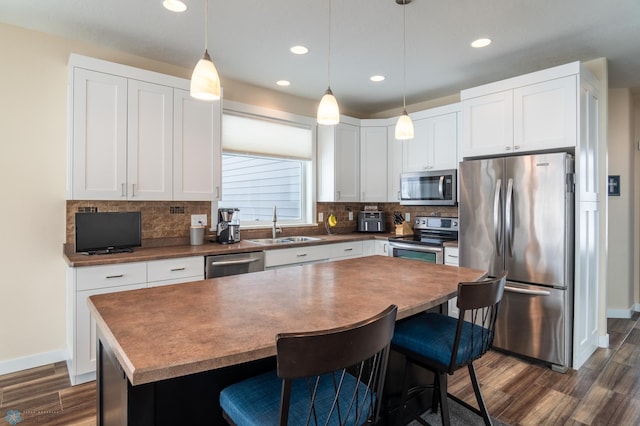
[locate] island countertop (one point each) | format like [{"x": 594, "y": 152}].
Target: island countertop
[{"x": 171, "y": 331}]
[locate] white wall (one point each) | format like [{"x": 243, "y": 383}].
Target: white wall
[
  {"x": 33, "y": 75},
  {"x": 620, "y": 299}
]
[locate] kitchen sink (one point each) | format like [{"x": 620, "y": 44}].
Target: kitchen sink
[{"x": 283, "y": 240}]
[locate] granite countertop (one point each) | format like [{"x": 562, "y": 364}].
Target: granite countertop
[
  {"x": 170, "y": 331},
  {"x": 75, "y": 260}
]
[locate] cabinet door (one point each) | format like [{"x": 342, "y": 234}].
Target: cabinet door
[
  {"x": 85, "y": 348},
  {"x": 197, "y": 155},
  {"x": 442, "y": 142},
  {"x": 487, "y": 124},
  {"x": 373, "y": 164},
  {"x": 394, "y": 164},
  {"x": 545, "y": 115},
  {"x": 150, "y": 142},
  {"x": 347, "y": 160},
  {"x": 99, "y": 136},
  {"x": 415, "y": 151}
]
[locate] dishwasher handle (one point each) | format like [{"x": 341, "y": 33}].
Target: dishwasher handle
[{"x": 234, "y": 262}]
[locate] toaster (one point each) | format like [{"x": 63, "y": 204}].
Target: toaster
[{"x": 371, "y": 221}]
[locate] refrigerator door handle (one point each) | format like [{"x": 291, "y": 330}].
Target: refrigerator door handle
[
  {"x": 526, "y": 291},
  {"x": 508, "y": 211},
  {"x": 441, "y": 187},
  {"x": 497, "y": 222}
]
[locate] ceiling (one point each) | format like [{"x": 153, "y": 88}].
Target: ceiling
[{"x": 249, "y": 41}]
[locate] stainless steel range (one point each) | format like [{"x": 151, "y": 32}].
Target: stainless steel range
[{"x": 427, "y": 242}]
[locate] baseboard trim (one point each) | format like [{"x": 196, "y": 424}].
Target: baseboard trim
[
  {"x": 31, "y": 361},
  {"x": 636, "y": 307},
  {"x": 620, "y": 313},
  {"x": 603, "y": 341}
]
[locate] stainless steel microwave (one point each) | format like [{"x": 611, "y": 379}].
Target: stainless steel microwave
[{"x": 436, "y": 188}]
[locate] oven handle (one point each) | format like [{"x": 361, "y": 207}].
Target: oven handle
[
  {"x": 415, "y": 247},
  {"x": 235, "y": 262}
]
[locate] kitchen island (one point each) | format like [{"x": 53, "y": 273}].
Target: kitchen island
[{"x": 164, "y": 353}]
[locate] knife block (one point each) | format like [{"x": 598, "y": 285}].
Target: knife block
[{"x": 404, "y": 229}]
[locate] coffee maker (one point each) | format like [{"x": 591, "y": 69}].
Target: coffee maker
[{"x": 228, "y": 229}]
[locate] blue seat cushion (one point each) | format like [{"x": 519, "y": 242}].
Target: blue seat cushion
[
  {"x": 432, "y": 335},
  {"x": 256, "y": 400}
]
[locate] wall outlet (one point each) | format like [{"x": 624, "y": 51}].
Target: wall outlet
[
  {"x": 198, "y": 220},
  {"x": 320, "y": 217},
  {"x": 407, "y": 217},
  {"x": 350, "y": 215}
]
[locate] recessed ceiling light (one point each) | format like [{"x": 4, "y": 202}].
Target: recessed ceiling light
[
  {"x": 377, "y": 78},
  {"x": 481, "y": 42},
  {"x": 299, "y": 50},
  {"x": 283, "y": 83},
  {"x": 174, "y": 5}
]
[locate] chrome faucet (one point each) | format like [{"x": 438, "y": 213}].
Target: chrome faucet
[{"x": 275, "y": 228}]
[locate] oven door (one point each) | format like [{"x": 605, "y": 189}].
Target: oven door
[{"x": 424, "y": 253}]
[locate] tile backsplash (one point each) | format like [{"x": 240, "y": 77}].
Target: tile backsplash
[{"x": 168, "y": 222}]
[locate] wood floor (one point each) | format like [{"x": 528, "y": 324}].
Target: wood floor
[{"x": 605, "y": 391}]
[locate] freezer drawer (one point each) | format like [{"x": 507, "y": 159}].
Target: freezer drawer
[{"x": 534, "y": 321}]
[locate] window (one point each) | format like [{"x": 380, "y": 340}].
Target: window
[{"x": 267, "y": 161}]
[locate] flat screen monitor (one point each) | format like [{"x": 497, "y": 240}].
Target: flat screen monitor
[{"x": 108, "y": 232}]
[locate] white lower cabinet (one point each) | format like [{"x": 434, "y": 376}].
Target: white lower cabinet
[
  {"x": 347, "y": 250},
  {"x": 93, "y": 280},
  {"x": 296, "y": 256},
  {"x": 451, "y": 258}
]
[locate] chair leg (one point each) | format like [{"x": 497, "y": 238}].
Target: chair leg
[
  {"x": 405, "y": 393},
  {"x": 476, "y": 389},
  {"x": 444, "y": 405},
  {"x": 435, "y": 397}
]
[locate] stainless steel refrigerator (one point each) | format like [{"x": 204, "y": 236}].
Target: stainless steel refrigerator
[{"x": 517, "y": 213}]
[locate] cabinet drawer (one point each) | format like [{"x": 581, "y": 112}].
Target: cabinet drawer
[
  {"x": 451, "y": 256},
  {"x": 104, "y": 276},
  {"x": 171, "y": 269},
  {"x": 350, "y": 249},
  {"x": 295, "y": 255}
]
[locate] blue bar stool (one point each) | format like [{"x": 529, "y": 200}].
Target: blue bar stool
[
  {"x": 443, "y": 344},
  {"x": 329, "y": 377}
]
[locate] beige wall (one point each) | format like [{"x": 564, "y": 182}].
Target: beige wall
[
  {"x": 33, "y": 168},
  {"x": 621, "y": 238},
  {"x": 635, "y": 257}
]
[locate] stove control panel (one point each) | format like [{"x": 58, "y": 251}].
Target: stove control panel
[{"x": 441, "y": 223}]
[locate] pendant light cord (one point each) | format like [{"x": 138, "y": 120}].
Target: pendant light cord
[
  {"x": 329, "y": 59},
  {"x": 404, "y": 54},
  {"x": 206, "y": 24}
]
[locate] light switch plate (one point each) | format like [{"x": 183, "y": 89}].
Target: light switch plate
[
  {"x": 350, "y": 215},
  {"x": 320, "y": 217},
  {"x": 407, "y": 217},
  {"x": 198, "y": 220}
]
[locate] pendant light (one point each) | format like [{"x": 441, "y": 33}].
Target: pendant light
[
  {"x": 205, "y": 81},
  {"x": 328, "y": 111},
  {"x": 404, "y": 125}
]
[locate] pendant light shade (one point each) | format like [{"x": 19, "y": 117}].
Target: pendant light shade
[
  {"x": 205, "y": 81},
  {"x": 328, "y": 110},
  {"x": 404, "y": 127}
]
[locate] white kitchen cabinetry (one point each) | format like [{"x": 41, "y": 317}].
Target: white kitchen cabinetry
[
  {"x": 338, "y": 163},
  {"x": 434, "y": 146},
  {"x": 346, "y": 250},
  {"x": 197, "y": 150},
  {"x": 175, "y": 271},
  {"x": 93, "y": 280},
  {"x": 537, "y": 111},
  {"x": 451, "y": 259},
  {"x": 373, "y": 164},
  {"x": 296, "y": 256},
  {"x": 375, "y": 247},
  {"x": 149, "y": 142},
  {"x": 134, "y": 135},
  {"x": 394, "y": 165}
]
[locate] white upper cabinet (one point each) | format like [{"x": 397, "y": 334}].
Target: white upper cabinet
[
  {"x": 394, "y": 165},
  {"x": 98, "y": 162},
  {"x": 137, "y": 135},
  {"x": 434, "y": 146},
  {"x": 338, "y": 163},
  {"x": 373, "y": 164},
  {"x": 533, "y": 112},
  {"x": 149, "y": 142},
  {"x": 197, "y": 148}
]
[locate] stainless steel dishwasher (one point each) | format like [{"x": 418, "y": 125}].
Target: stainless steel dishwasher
[{"x": 233, "y": 264}]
